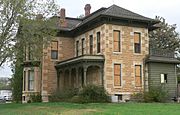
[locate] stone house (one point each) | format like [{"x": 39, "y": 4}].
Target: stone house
[{"x": 108, "y": 47}]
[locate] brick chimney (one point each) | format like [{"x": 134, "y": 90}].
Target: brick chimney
[
  {"x": 63, "y": 22},
  {"x": 87, "y": 9}
]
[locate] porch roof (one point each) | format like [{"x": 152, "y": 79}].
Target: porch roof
[{"x": 81, "y": 59}]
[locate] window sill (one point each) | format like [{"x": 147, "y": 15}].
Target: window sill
[
  {"x": 138, "y": 54},
  {"x": 117, "y": 87},
  {"x": 117, "y": 53}
]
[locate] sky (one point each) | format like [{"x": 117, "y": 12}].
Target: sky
[{"x": 168, "y": 9}]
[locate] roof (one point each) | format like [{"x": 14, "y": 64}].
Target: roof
[
  {"x": 162, "y": 60},
  {"x": 112, "y": 11}
]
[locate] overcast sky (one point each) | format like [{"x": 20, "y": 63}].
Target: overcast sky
[{"x": 169, "y": 9}]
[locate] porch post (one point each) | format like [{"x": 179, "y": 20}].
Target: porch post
[
  {"x": 77, "y": 73},
  {"x": 70, "y": 85},
  {"x": 101, "y": 75},
  {"x": 84, "y": 75},
  {"x": 58, "y": 78}
]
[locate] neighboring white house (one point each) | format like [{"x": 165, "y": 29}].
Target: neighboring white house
[{"x": 6, "y": 94}]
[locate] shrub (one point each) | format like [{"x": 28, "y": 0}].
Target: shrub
[
  {"x": 65, "y": 95},
  {"x": 156, "y": 94},
  {"x": 137, "y": 97},
  {"x": 36, "y": 98},
  {"x": 92, "y": 93}
]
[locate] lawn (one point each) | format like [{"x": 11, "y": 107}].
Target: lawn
[{"x": 90, "y": 109}]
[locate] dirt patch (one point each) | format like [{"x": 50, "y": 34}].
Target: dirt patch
[{"x": 79, "y": 112}]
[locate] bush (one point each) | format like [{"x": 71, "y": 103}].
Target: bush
[
  {"x": 92, "y": 93},
  {"x": 63, "y": 95},
  {"x": 156, "y": 94},
  {"x": 36, "y": 98},
  {"x": 137, "y": 97}
]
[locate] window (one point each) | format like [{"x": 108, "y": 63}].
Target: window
[
  {"x": 83, "y": 46},
  {"x": 117, "y": 41},
  {"x": 24, "y": 80},
  {"x": 163, "y": 78},
  {"x": 30, "y": 55},
  {"x": 138, "y": 76},
  {"x": 77, "y": 48},
  {"x": 117, "y": 74},
  {"x": 137, "y": 42},
  {"x": 54, "y": 50},
  {"x": 30, "y": 80},
  {"x": 91, "y": 44},
  {"x": 98, "y": 42}
]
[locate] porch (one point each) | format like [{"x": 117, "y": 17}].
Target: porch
[{"x": 80, "y": 71}]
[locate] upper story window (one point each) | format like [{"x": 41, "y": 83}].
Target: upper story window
[
  {"x": 116, "y": 41},
  {"x": 54, "y": 50},
  {"x": 91, "y": 44},
  {"x": 83, "y": 46},
  {"x": 163, "y": 78},
  {"x": 98, "y": 42},
  {"x": 31, "y": 80},
  {"x": 117, "y": 74},
  {"x": 137, "y": 42},
  {"x": 138, "y": 75},
  {"x": 77, "y": 48},
  {"x": 30, "y": 52}
]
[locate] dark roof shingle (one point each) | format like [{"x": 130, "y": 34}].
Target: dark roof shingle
[{"x": 113, "y": 11}]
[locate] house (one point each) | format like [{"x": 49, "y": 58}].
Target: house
[
  {"x": 108, "y": 47},
  {"x": 6, "y": 94}
]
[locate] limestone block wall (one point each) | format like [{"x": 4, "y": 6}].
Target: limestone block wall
[
  {"x": 86, "y": 35},
  {"x": 49, "y": 73},
  {"x": 127, "y": 58}
]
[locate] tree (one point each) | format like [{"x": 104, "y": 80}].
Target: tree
[
  {"x": 14, "y": 12},
  {"x": 23, "y": 23},
  {"x": 165, "y": 37}
]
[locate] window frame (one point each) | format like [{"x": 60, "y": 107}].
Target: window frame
[
  {"x": 138, "y": 85},
  {"x": 165, "y": 78},
  {"x": 90, "y": 44},
  {"x": 120, "y": 75},
  {"x": 119, "y": 41},
  {"x": 98, "y": 42},
  {"x": 54, "y": 51},
  {"x": 137, "y": 45},
  {"x": 31, "y": 80},
  {"x": 77, "y": 48},
  {"x": 83, "y": 46}
]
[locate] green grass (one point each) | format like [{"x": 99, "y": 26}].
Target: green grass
[{"x": 90, "y": 109}]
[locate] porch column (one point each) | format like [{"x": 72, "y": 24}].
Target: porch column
[
  {"x": 70, "y": 85},
  {"x": 77, "y": 77},
  {"x": 58, "y": 78},
  {"x": 101, "y": 75},
  {"x": 84, "y": 75}
]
